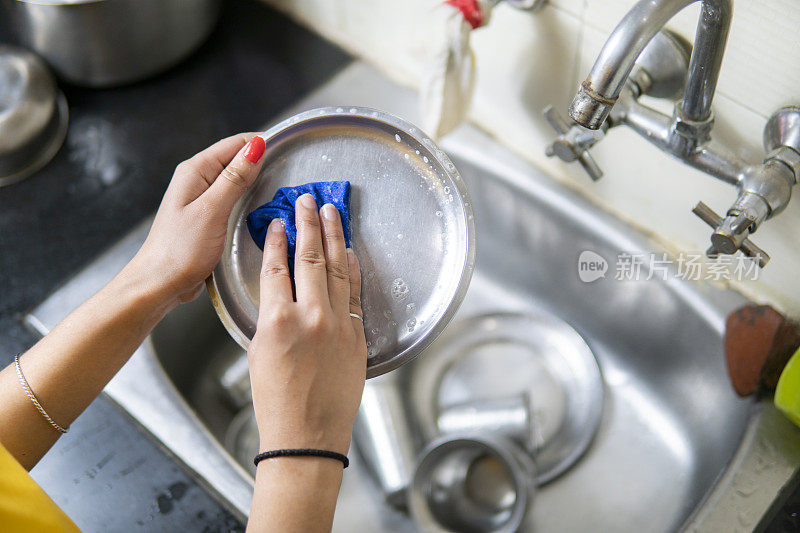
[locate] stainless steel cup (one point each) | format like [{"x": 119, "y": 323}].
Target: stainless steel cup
[
  {"x": 472, "y": 483},
  {"x": 382, "y": 433}
]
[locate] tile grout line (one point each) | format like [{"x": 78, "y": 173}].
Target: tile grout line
[{"x": 576, "y": 65}]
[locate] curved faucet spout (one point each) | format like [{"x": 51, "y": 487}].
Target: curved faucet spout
[{"x": 600, "y": 90}]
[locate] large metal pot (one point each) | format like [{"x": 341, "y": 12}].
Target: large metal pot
[{"x": 101, "y": 43}]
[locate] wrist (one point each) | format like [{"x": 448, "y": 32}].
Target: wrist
[
  {"x": 296, "y": 493},
  {"x": 301, "y": 452},
  {"x": 321, "y": 441},
  {"x": 149, "y": 288},
  {"x": 315, "y": 471}
]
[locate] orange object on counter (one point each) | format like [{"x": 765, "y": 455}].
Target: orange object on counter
[{"x": 758, "y": 343}]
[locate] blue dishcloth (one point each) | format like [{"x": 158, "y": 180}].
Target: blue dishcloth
[{"x": 282, "y": 206}]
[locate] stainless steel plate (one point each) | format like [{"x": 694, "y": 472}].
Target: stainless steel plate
[
  {"x": 412, "y": 226},
  {"x": 497, "y": 355}
]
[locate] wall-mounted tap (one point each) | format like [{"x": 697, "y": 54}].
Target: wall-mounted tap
[{"x": 640, "y": 58}]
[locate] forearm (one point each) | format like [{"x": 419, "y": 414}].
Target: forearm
[
  {"x": 295, "y": 494},
  {"x": 69, "y": 367}
]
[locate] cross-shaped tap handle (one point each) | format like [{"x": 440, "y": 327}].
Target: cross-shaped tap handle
[
  {"x": 572, "y": 144},
  {"x": 747, "y": 246}
]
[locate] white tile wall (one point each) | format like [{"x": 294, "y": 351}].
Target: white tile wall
[{"x": 526, "y": 61}]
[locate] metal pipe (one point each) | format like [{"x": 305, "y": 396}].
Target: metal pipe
[{"x": 600, "y": 90}]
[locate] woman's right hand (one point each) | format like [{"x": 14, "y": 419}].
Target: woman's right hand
[{"x": 308, "y": 357}]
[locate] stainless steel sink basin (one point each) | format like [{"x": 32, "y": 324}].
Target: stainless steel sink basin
[{"x": 674, "y": 444}]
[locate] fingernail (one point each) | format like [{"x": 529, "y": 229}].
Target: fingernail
[
  {"x": 276, "y": 226},
  {"x": 255, "y": 149},
  {"x": 351, "y": 257},
  {"x": 329, "y": 212},
  {"x": 307, "y": 201}
]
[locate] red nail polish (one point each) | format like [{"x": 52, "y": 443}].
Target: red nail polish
[{"x": 255, "y": 149}]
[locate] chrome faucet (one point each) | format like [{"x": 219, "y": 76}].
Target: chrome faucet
[{"x": 641, "y": 58}]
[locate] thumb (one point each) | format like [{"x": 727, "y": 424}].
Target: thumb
[{"x": 238, "y": 175}]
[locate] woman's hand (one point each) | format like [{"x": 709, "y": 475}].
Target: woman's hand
[
  {"x": 188, "y": 233},
  {"x": 69, "y": 367},
  {"x": 308, "y": 357},
  {"x": 308, "y": 362}
]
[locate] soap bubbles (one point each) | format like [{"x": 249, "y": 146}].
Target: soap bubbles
[{"x": 399, "y": 289}]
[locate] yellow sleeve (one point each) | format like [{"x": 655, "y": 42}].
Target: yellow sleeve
[{"x": 24, "y": 506}]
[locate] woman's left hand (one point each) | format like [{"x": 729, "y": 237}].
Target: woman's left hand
[{"x": 188, "y": 233}]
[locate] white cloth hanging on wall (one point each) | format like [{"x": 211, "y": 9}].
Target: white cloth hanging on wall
[{"x": 448, "y": 78}]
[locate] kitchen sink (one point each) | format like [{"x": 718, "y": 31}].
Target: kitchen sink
[{"x": 675, "y": 447}]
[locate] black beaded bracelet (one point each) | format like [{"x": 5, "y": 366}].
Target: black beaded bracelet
[{"x": 309, "y": 452}]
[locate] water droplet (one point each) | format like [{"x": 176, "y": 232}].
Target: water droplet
[
  {"x": 375, "y": 331},
  {"x": 387, "y": 314},
  {"x": 412, "y": 322},
  {"x": 425, "y": 158},
  {"x": 324, "y": 157},
  {"x": 407, "y": 156},
  {"x": 410, "y": 308},
  {"x": 439, "y": 213},
  {"x": 353, "y": 110},
  {"x": 400, "y": 236},
  {"x": 397, "y": 137},
  {"x": 339, "y": 110}
]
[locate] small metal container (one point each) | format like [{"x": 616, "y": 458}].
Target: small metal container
[
  {"x": 382, "y": 433},
  {"x": 475, "y": 483},
  {"x": 241, "y": 438},
  {"x": 33, "y": 114},
  {"x": 412, "y": 226}
]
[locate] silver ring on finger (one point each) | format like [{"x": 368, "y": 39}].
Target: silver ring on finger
[{"x": 356, "y": 315}]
